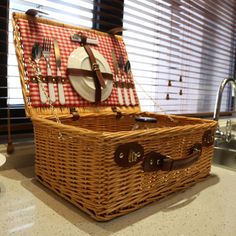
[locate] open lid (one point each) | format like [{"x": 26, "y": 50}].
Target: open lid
[{"x": 71, "y": 80}]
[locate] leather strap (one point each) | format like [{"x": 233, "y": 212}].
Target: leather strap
[
  {"x": 169, "y": 164},
  {"x": 95, "y": 66},
  {"x": 83, "y": 39},
  {"x": 155, "y": 161},
  {"x": 97, "y": 75},
  {"x": 89, "y": 73}
]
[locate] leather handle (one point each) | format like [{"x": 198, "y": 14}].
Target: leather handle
[{"x": 155, "y": 161}]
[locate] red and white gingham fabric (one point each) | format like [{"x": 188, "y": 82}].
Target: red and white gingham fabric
[{"x": 31, "y": 32}]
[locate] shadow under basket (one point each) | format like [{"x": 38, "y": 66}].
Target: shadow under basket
[{"x": 103, "y": 167}]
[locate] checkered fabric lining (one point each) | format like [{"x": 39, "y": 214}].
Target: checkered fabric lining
[{"x": 32, "y": 32}]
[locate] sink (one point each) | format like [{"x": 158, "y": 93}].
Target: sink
[
  {"x": 231, "y": 146},
  {"x": 225, "y": 154}
]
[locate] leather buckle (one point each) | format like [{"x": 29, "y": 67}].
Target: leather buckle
[
  {"x": 95, "y": 66},
  {"x": 128, "y": 154},
  {"x": 74, "y": 113},
  {"x": 153, "y": 161}
]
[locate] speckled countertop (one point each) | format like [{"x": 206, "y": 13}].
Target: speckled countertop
[{"x": 207, "y": 209}]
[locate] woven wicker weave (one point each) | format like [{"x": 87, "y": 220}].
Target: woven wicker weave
[{"x": 76, "y": 158}]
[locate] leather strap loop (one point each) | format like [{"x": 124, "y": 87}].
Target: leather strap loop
[
  {"x": 89, "y": 73},
  {"x": 83, "y": 39},
  {"x": 97, "y": 75}
]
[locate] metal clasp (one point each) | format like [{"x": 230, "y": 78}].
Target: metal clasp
[
  {"x": 74, "y": 113},
  {"x": 95, "y": 66}
]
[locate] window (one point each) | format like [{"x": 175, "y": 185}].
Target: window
[
  {"x": 180, "y": 51},
  {"x": 70, "y": 13},
  {"x": 99, "y": 14},
  {"x": 78, "y": 13}
]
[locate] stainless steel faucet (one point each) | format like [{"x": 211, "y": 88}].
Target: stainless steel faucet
[
  {"x": 228, "y": 130},
  {"x": 219, "y": 96},
  {"x": 220, "y": 134}
]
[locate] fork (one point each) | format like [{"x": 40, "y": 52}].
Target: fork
[{"x": 46, "y": 54}]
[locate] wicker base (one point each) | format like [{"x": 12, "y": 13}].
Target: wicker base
[
  {"x": 127, "y": 208},
  {"x": 80, "y": 166}
]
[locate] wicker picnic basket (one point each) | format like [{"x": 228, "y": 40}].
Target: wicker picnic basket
[{"x": 88, "y": 153}]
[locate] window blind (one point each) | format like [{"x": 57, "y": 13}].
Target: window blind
[
  {"x": 77, "y": 13},
  {"x": 3, "y": 60},
  {"x": 180, "y": 51},
  {"x": 62, "y": 10}
]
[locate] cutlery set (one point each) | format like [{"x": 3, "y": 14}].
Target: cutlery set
[
  {"x": 122, "y": 73},
  {"x": 120, "y": 83},
  {"x": 44, "y": 51}
]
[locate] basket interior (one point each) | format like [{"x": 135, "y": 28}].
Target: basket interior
[{"x": 110, "y": 123}]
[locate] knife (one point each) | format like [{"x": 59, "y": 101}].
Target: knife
[
  {"x": 58, "y": 65},
  {"x": 129, "y": 76},
  {"x": 115, "y": 64},
  {"x": 121, "y": 66}
]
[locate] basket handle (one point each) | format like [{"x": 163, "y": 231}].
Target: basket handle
[{"x": 154, "y": 161}]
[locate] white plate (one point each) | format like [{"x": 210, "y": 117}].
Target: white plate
[
  {"x": 2, "y": 159},
  {"x": 84, "y": 85}
]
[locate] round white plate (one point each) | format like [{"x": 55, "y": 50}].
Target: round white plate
[
  {"x": 2, "y": 159},
  {"x": 84, "y": 85}
]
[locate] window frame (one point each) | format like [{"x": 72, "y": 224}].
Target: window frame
[
  {"x": 100, "y": 22},
  {"x": 23, "y": 124}
]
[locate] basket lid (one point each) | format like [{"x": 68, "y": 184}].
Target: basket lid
[{"x": 69, "y": 84}]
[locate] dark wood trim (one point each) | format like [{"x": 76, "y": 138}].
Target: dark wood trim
[
  {"x": 101, "y": 13},
  {"x": 4, "y": 13},
  {"x": 17, "y": 128},
  {"x": 18, "y": 138},
  {"x": 205, "y": 114}
]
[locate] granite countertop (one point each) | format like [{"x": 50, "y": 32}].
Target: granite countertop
[{"x": 208, "y": 208}]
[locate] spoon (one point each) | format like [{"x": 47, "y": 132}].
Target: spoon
[{"x": 36, "y": 56}]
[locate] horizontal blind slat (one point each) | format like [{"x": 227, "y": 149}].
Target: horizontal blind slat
[{"x": 180, "y": 38}]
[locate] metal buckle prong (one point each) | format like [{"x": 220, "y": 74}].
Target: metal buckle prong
[{"x": 95, "y": 66}]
